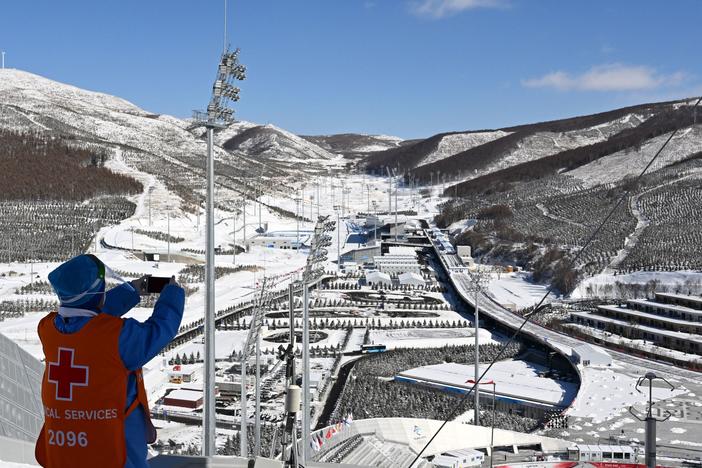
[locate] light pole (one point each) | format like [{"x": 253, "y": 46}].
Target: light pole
[
  {"x": 492, "y": 425},
  {"x": 151, "y": 189},
  {"x": 479, "y": 280},
  {"x": 649, "y": 419},
  {"x": 338, "y": 240},
  {"x": 389, "y": 190},
  {"x": 168, "y": 238},
  {"x": 234, "y": 238},
  {"x": 216, "y": 116},
  {"x": 297, "y": 219},
  {"x": 375, "y": 222},
  {"x": 397, "y": 186}
]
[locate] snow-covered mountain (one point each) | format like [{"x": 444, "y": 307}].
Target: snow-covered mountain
[
  {"x": 351, "y": 144},
  {"x": 462, "y": 156},
  {"x": 162, "y": 145},
  {"x": 272, "y": 143},
  {"x": 454, "y": 143}
]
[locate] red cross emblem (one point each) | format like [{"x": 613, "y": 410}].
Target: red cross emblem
[{"x": 65, "y": 374}]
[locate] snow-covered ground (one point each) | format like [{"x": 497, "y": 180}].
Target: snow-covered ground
[
  {"x": 608, "y": 392},
  {"x": 430, "y": 337},
  {"x": 603, "y": 395},
  {"x": 516, "y": 288}
]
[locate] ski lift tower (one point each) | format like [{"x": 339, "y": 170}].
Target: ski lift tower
[{"x": 217, "y": 115}]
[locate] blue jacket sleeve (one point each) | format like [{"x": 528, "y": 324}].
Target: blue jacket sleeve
[
  {"x": 140, "y": 342},
  {"x": 120, "y": 300}
]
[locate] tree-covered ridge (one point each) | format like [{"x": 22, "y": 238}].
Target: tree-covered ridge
[{"x": 38, "y": 167}]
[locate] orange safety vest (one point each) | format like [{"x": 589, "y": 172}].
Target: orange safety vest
[{"x": 84, "y": 393}]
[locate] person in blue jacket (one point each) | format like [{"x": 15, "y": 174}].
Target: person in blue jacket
[{"x": 80, "y": 286}]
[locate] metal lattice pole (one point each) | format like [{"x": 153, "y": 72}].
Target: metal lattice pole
[
  {"x": 306, "y": 401},
  {"x": 249, "y": 350}
]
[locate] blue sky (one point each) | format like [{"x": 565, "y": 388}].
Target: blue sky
[{"x": 410, "y": 68}]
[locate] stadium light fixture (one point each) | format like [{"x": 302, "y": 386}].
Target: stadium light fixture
[{"x": 217, "y": 115}]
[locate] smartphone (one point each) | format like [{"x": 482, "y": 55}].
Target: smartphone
[{"x": 155, "y": 284}]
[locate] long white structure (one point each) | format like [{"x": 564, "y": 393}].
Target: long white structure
[{"x": 516, "y": 382}]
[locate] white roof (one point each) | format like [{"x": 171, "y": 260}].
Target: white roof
[
  {"x": 697, "y": 299},
  {"x": 402, "y": 251},
  {"x": 377, "y": 277},
  {"x": 410, "y": 277},
  {"x": 654, "y": 331},
  {"x": 186, "y": 395},
  {"x": 659, "y": 305},
  {"x": 415, "y": 433},
  {"x": 656, "y": 317},
  {"x": 515, "y": 379}
]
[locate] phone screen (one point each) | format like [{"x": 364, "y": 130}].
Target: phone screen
[{"x": 156, "y": 284}]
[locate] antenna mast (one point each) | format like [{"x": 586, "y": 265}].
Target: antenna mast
[{"x": 224, "y": 46}]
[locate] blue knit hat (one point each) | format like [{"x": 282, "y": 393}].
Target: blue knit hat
[{"x": 79, "y": 281}]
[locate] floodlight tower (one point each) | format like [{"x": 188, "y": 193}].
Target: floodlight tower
[
  {"x": 314, "y": 269},
  {"x": 217, "y": 115}
]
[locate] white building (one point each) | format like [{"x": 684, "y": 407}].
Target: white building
[
  {"x": 280, "y": 240},
  {"x": 397, "y": 261},
  {"x": 397, "y": 264},
  {"x": 459, "y": 459},
  {"x": 464, "y": 253}
]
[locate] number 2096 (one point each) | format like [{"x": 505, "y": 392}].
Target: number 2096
[{"x": 68, "y": 438}]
